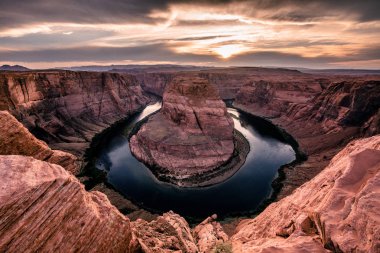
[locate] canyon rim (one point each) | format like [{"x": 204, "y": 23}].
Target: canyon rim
[{"x": 189, "y": 126}]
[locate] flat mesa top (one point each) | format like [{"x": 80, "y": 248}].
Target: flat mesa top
[{"x": 193, "y": 87}]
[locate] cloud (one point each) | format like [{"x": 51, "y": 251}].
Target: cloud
[
  {"x": 201, "y": 38},
  {"x": 17, "y": 13},
  {"x": 247, "y": 32},
  {"x": 153, "y": 52}
]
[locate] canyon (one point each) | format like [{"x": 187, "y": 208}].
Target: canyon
[
  {"x": 67, "y": 109},
  {"x": 327, "y": 203}
]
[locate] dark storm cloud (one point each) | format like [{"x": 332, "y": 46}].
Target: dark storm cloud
[
  {"x": 160, "y": 52},
  {"x": 14, "y": 13},
  {"x": 271, "y": 58},
  {"x": 301, "y": 10},
  {"x": 154, "y": 52}
]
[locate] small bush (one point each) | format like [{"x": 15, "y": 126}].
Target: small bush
[{"x": 225, "y": 247}]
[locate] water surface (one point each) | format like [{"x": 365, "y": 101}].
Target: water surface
[{"x": 241, "y": 193}]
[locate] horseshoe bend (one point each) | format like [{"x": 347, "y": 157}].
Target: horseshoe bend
[
  {"x": 191, "y": 136},
  {"x": 190, "y": 126},
  {"x": 185, "y": 142}
]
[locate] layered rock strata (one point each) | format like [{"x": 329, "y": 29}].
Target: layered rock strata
[
  {"x": 209, "y": 234},
  {"x": 171, "y": 233},
  {"x": 192, "y": 133},
  {"x": 43, "y": 208},
  {"x": 66, "y": 109},
  {"x": 15, "y": 139},
  {"x": 338, "y": 210},
  {"x": 228, "y": 81},
  {"x": 167, "y": 233},
  {"x": 321, "y": 121}
]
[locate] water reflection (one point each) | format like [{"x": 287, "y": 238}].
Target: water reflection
[{"x": 243, "y": 192}]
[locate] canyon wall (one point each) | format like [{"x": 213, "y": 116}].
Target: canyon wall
[
  {"x": 228, "y": 81},
  {"x": 66, "y": 109},
  {"x": 15, "y": 139},
  {"x": 322, "y": 119},
  {"x": 338, "y": 210},
  {"x": 44, "y": 208}
]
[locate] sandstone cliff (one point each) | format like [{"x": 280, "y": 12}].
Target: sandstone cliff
[
  {"x": 43, "y": 208},
  {"x": 15, "y": 139},
  {"x": 192, "y": 133},
  {"x": 228, "y": 81},
  {"x": 66, "y": 109},
  {"x": 337, "y": 210},
  {"x": 171, "y": 233},
  {"x": 323, "y": 119}
]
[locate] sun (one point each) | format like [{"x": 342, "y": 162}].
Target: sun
[{"x": 227, "y": 51}]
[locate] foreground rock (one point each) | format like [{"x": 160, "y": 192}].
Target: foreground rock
[
  {"x": 192, "y": 134},
  {"x": 66, "y": 109},
  {"x": 338, "y": 210},
  {"x": 15, "y": 139},
  {"x": 209, "y": 234},
  {"x": 43, "y": 208},
  {"x": 168, "y": 233}
]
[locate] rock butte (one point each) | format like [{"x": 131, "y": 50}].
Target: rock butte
[{"x": 192, "y": 133}]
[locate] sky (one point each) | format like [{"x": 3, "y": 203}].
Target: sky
[{"x": 281, "y": 33}]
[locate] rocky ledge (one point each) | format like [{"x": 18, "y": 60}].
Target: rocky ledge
[
  {"x": 322, "y": 117},
  {"x": 15, "y": 139},
  {"x": 44, "y": 208},
  {"x": 67, "y": 109},
  {"x": 191, "y": 135},
  {"x": 337, "y": 211}
]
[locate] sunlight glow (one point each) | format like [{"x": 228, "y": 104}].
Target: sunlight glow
[{"x": 227, "y": 51}]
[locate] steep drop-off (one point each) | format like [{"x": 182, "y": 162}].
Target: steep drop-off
[
  {"x": 192, "y": 134},
  {"x": 338, "y": 210},
  {"x": 15, "y": 139},
  {"x": 43, "y": 208},
  {"x": 66, "y": 109},
  {"x": 322, "y": 122},
  {"x": 228, "y": 81}
]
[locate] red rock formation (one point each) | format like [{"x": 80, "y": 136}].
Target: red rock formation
[
  {"x": 208, "y": 234},
  {"x": 337, "y": 210},
  {"x": 321, "y": 120},
  {"x": 43, "y": 208},
  {"x": 167, "y": 233},
  {"x": 192, "y": 133},
  {"x": 66, "y": 109},
  {"x": 15, "y": 139}
]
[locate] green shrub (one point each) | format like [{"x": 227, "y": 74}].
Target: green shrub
[{"x": 225, "y": 247}]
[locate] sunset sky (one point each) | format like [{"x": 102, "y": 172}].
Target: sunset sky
[{"x": 293, "y": 33}]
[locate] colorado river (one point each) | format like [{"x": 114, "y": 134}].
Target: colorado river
[{"x": 243, "y": 192}]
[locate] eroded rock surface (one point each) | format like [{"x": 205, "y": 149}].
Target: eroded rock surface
[
  {"x": 167, "y": 233},
  {"x": 191, "y": 134},
  {"x": 66, "y": 109},
  {"x": 43, "y": 208},
  {"x": 323, "y": 116},
  {"x": 337, "y": 210},
  {"x": 208, "y": 234},
  {"x": 15, "y": 139}
]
